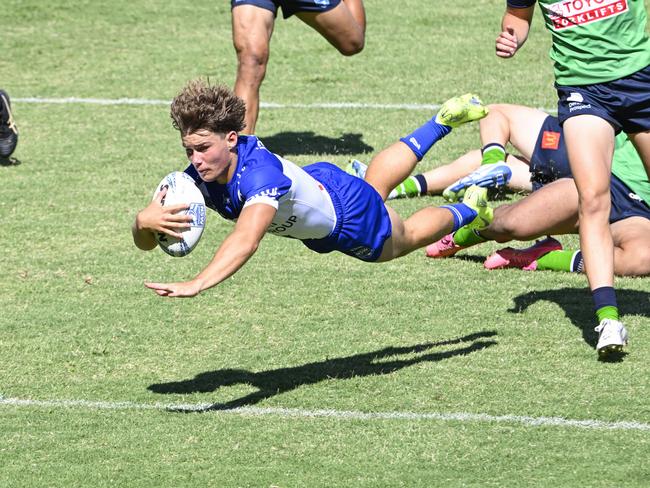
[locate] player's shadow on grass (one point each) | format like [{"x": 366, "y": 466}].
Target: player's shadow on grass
[
  {"x": 277, "y": 381},
  {"x": 301, "y": 143},
  {"x": 577, "y": 306}
]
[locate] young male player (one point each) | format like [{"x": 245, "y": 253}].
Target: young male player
[
  {"x": 601, "y": 52},
  {"x": 341, "y": 22},
  {"x": 319, "y": 204}
]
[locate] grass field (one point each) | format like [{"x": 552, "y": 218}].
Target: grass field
[{"x": 310, "y": 370}]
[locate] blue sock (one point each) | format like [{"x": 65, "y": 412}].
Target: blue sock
[
  {"x": 605, "y": 296},
  {"x": 605, "y": 303},
  {"x": 463, "y": 214},
  {"x": 425, "y": 136}
]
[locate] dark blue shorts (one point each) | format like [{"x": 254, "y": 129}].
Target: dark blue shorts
[
  {"x": 362, "y": 221},
  {"x": 289, "y": 7},
  {"x": 624, "y": 103},
  {"x": 550, "y": 160},
  {"x": 625, "y": 203}
]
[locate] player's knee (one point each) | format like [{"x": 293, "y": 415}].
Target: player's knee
[
  {"x": 352, "y": 46},
  {"x": 506, "y": 227},
  {"x": 639, "y": 264},
  {"x": 253, "y": 58},
  {"x": 594, "y": 201}
]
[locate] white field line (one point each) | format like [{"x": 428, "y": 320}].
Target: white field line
[
  {"x": 338, "y": 414},
  {"x": 270, "y": 105},
  {"x": 264, "y": 105}
]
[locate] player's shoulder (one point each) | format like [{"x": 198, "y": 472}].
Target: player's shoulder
[{"x": 253, "y": 154}]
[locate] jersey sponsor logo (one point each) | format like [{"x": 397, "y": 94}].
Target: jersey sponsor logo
[
  {"x": 279, "y": 228},
  {"x": 634, "y": 196},
  {"x": 571, "y": 13},
  {"x": 269, "y": 193},
  {"x": 550, "y": 140}
]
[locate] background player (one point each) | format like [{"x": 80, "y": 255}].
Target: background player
[
  {"x": 341, "y": 22},
  {"x": 320, "y": 204},
  {"x": 602, "y": 73},
  {"x": 8, "y": 129},
  {"x": 489, "y": 167}
]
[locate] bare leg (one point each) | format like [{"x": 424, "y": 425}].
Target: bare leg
[
  {"x": 424, "y": 226},
  {"x": 441, "y": 177},
  {"x": 390, "y": 167},
  {"x": 641, "y": 142},
  {"x": 632, "y": 246},
  {"x": 252, "y": 28},
  {"x": 344, "y": 26},
  {"x": 552, "y": 209},
  {"x": 516, "y": 124},
  {"x": 590, "y": 144}
]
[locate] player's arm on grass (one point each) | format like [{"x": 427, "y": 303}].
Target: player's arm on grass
[
  {"x": 156, "y": 218},
  {"x": 232, "y": 254},
  {"x": 515, "y": 26}
]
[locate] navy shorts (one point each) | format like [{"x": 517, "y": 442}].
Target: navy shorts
[
  {"x": 362, "y": 221},
  {"x": 624, "y": 103},
  {"x": 289, "y": 7},
  {"x": 626, "y": 203},
  {"x": 550, "y": 160}
]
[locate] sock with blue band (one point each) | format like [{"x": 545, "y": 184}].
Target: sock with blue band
[
  {"x": 462, "y": 214},
  {"x": 425, "y": 136},
  {"x": 605, "y": 303}
]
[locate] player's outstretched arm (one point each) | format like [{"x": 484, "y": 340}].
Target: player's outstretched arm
[
  {"x": 515, "y": 26},
  {"x": 233, "y": 253},
  {"x": 156, "y": 218}
]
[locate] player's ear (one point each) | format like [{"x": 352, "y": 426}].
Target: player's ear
[{"x": 231, "y": 139}]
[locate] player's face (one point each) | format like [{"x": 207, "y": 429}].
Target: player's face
[{"x": 210, "y": 153}]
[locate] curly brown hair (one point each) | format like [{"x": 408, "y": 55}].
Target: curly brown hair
[{"x": 200, "y": 105}]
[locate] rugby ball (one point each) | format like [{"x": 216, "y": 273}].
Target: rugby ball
[{"x": 181, "y": 189}]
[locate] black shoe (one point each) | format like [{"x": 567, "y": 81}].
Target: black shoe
[{"x": 8, "y": 129}]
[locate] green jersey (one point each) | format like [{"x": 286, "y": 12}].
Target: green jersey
[
  {"x": 595, "y": 41},
  {"x": 628, "y": 167}
]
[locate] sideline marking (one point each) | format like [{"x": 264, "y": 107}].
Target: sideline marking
[
  {"x": 340, "y": 414},
  {"x": 265, "y": 105}
]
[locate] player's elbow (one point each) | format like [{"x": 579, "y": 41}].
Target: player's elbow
[{"x": 248, "y": 247}]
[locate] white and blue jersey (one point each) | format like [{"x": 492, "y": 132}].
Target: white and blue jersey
[{"x": 320, "y": 204}]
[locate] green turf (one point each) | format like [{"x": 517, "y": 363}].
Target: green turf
[{"x": 293, "y": 329}]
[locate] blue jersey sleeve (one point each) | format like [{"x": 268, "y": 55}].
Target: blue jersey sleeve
[{"x": 266, "y": 182}]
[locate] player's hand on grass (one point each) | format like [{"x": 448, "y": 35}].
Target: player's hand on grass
[
  {"x": 180, "y": 290},
  {"x": 507, "y": 43},
  {"x": 158, "y": 218}
]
